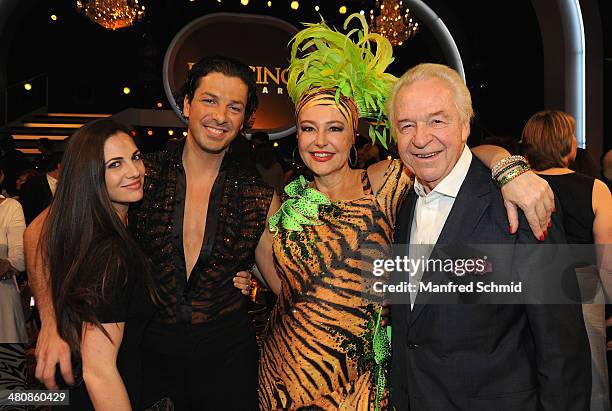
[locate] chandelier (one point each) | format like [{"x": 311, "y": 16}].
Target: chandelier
[
  {"x": 111, "y": 14},
  {"x": 393, "y": 21}
]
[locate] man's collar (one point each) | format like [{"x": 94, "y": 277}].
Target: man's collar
[{"x": 450, "y": 185}]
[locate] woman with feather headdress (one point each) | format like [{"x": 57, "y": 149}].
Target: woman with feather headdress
[{"x": 325, "y": 348}]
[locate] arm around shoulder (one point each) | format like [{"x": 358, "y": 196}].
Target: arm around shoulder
[
  {"x": 51, "y": 349},
  {"x": 490, "y": 154}
]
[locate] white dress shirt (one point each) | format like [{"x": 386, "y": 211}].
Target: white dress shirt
[{"x": 432, "y": 210}]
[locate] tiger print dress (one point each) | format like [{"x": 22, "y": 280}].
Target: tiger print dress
[{"x": 317, "y": 353}]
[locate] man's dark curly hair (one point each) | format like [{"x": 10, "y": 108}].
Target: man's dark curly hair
[{"x": 228, "y": 67}]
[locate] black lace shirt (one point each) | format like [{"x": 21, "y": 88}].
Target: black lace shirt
[{"x": 236, "y": 219}]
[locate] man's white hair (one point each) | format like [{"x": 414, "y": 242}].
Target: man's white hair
[{"x": 426, "y": 71}]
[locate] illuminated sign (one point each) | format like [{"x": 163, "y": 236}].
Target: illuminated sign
[{"x": 259, "y": 41}]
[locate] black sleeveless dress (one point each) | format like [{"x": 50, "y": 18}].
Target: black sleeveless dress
[{"x": 575, "y": 192}]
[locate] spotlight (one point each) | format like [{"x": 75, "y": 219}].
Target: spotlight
[
  {"x": 150, "y": 132},
  {"x": 184, "y": 134},
  {"x": 126, "y": 90},
  {"x": 295, "y": 5},
  {"x": 317, "y": 8},
  {"x": 389, "y": 158},
  {"x": 27, "y": 86},
  {"x": 342, "y": 9},
  {"x": 361, "y": 12},
  {"x": 244, "y": 2},
  {"x": 269, "y": 4},
  {"x": 159, "y": 104},
  {"x": 275, "y": 144},
  {"x": 170, "y": 132},
  {"x": 53, "y": 17}
]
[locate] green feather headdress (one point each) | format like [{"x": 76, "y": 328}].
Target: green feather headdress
[{"x": 349, "y": 67}]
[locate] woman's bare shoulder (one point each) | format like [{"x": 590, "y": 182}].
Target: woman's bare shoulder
[
  {"x": 34, "y": 229},
  {"x": 376, "y": 174}
]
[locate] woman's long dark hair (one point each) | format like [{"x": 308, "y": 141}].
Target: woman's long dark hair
[{"x": 86, "y": 247}]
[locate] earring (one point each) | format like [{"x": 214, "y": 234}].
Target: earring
[
  {"x": 353, "y": 149},
  {"x": 293, "y": 155}
]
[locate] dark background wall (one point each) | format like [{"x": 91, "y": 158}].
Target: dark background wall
[{"x": 509, "y": 70}]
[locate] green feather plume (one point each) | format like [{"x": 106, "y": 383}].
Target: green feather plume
[{"x": 325, "y": 58}]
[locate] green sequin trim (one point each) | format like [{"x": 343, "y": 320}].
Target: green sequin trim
[{"x": 302, "y": 207}]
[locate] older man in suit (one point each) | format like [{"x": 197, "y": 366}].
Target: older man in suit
[{"x": 470, "y": 356}]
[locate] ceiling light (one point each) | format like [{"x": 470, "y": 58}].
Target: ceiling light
[
  {"x": 394, "y": 21},
  {"x": 111, "y": 14}
]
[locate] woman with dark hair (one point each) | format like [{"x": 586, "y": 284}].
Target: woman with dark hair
[
  {"x": 99, "y": 283},
  {"x": 549, "y": 140}
]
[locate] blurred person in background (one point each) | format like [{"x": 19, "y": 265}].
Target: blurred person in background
[
  {"x": 24, "y": 177},
  {"x": 12, "y": 161},
  {"x": 13, "y": 336},
  {"x": 549, "y": 140},
  {"x": 606, "y": 175},
  {"x": 267, "y": 165},
  {"x": 36, "y": 193},
  {"x": 367, "y": 154},
  {"x": 584, "y": 163},
  {"x": 259, "y": 138}
]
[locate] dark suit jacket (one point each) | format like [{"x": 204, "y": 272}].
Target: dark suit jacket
[{"x": 489, "y": 356}]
